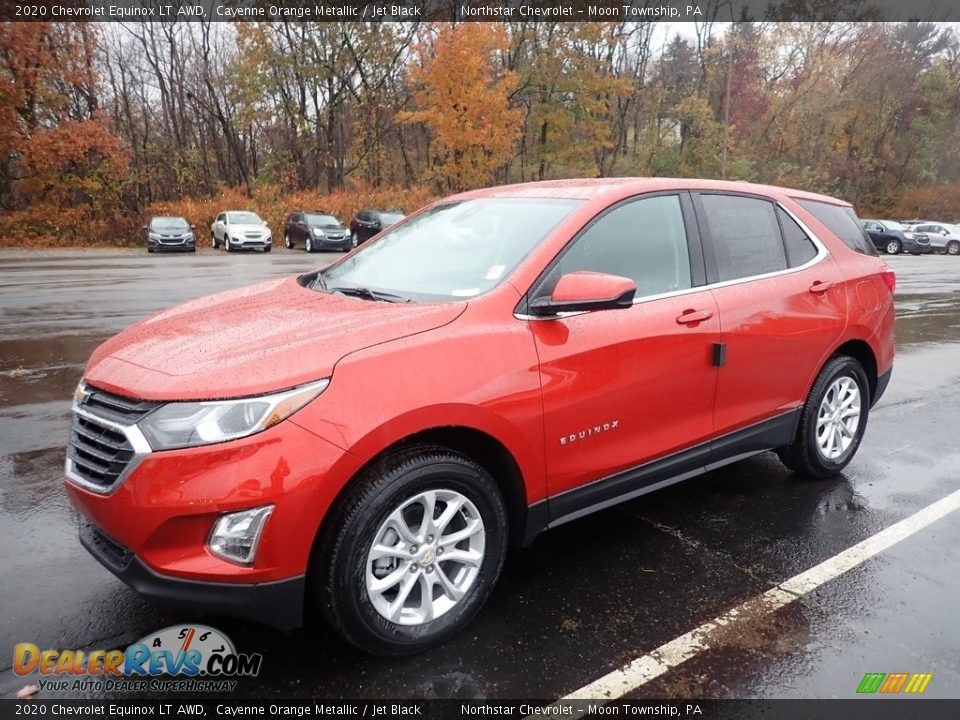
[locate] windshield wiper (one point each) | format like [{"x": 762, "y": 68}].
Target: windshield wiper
[{"x": 368, "y": 294}]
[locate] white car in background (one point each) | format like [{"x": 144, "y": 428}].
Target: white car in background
[
  {"x": 239, "y": 230},
  {"x": 944, "y": 237}
]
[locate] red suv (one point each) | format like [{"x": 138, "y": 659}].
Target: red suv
[{"x": 501, "y": 362}]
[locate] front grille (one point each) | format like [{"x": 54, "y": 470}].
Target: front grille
[
  {"x": 172, "y": 240},
  {"x": 100, "y": 448},
  {"x": 253, "y": 235}
]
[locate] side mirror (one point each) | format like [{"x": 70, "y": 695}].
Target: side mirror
[
  {"x": 144, "y": 227},
  {"x": 944, "y": 233},
  {"x": 586, "y": 291},
  {"x": 193, "y": 227}
]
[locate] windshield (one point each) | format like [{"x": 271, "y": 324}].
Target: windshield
[
  {"x": 320, "y": 219},
  {"x": 244, "y": 218},
  {"x": 454, "y": 250},
  {"x": 169, "y": 223},
  {"x": 391, "y": 218},
  {"x": 892, "y": 225}
]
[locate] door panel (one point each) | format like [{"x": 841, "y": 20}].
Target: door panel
[
  {"x": 621, "y": 387},
  {"x": 777, "y": 332}
]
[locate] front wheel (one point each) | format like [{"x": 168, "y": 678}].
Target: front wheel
[
  {"x": 412, "y": 552},
  {"x": 832, "y": 421},
  {"x": 213, "y": 242},
  {"x": 308, "y": 244},
  {"x": 893, "y": 247},
  {"x": 953, "y": 248},
  {"x": 287, "y": 242}
]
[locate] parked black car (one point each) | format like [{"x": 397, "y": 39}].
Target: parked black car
[
  {"x": 893, "y": 238},
  {"x": 316, "y": 230},
  {"x": 369, "y": 222},
  {"x": 170, "y": 234}
]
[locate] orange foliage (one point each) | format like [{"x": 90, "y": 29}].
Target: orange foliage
[
  {"x": 933, "y": 202},
  {"x": 464, "y": 101}
]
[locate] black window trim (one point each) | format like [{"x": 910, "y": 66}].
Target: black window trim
[
  {"x": 707, "y": 239},
  {"x": 694, "y": 250}
]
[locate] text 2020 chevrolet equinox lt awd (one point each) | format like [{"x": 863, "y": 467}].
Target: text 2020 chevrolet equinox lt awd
[{"x": 364, "y": 441}]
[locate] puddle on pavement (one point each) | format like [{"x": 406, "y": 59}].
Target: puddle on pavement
[{"x": 928, "y": 318}]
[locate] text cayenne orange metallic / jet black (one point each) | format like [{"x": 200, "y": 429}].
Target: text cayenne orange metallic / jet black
[{"x": 501, "y": 362}]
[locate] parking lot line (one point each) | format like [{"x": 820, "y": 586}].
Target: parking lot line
[{"x": 671, "y": 654}]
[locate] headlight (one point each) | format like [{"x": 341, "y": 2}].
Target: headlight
[
  {"x": 189, "y": 236},
  {"x": 909, "y": 236},
  {"x": 188, "y": 424},
  {"x": 235, "y": 536},
  {"x": 318, "y": 232},
  {"x": 153, "y": 236}
]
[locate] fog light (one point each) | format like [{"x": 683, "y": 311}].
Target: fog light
[{"x": 235, "y": 536}]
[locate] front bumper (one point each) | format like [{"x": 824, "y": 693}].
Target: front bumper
[
  {"x": 157, "y": 246},
  {"x": 250, "y": 243},
  {"x": 278, "y": 604},
  {"x": 326, "y": 243}
]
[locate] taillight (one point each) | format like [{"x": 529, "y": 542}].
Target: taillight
[{"x": 889, "y": 277}]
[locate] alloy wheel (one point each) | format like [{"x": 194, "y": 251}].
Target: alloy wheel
[
  {"x": 838, "y": 417},
  {"x": 425, "y": 557}
]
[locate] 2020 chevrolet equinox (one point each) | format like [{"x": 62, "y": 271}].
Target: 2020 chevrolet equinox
[{"x": 364, "y": 441}]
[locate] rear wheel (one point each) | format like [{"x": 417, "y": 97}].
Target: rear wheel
[
  {"x": 832, "y": 421},
  {"x": 893, "y": 247},
  {"x": 412, "y": 552},
  {"x": 953, "y": 248}
]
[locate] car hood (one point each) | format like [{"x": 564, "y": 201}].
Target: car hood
[{"x": 249, "y": 341}]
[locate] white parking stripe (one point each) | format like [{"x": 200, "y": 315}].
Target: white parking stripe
[{"x": 654, "y": 664}]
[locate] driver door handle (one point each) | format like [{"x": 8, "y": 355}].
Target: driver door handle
[
  {"x": 820, "y": 287},
  {"x": 694, "y": 316}
]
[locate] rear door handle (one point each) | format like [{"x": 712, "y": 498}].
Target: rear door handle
[
  {"x": 694, "y": 316},
  {"x": 820, "y": 287}
]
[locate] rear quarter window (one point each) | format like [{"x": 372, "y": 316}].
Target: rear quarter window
[{"x": 842, "y": 221}]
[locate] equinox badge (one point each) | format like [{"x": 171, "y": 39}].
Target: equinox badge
[{"x": 589, "y": 432}]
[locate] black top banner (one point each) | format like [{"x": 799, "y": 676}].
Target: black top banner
[{"x": 474, "y": 10}]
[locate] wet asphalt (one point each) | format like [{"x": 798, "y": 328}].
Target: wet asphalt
[{"x": 584, "y": 598}]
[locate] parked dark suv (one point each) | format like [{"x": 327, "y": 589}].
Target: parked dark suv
[
  {"x": 893, "y": 238},
  {"x": 369, "y": 222},
  {"x": 170, "y": 234},
  {"x": 316, "y": 230}
]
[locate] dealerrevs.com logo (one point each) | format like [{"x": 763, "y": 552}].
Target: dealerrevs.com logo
[{"x": 186, "y": 658}]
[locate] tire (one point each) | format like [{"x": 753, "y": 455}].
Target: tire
[
  {"x": 268, "y": 248},
  {"x": 287, "y": 242},
  {"x": 308, "y": 244},
  {"x": 353, "y": 241},
  {"x": 150, "y": 250},
  {"x": 213, "y": 241},
  {"x": 342, "y": 571},
  {"x": 953, "y": 248},
  {"x": 807, "y": 455},
  {"x": 893, "y": 247},
  {"x": 226, "y": 244}
]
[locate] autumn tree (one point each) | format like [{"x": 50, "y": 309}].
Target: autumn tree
[{"x": 462, "y": 97}]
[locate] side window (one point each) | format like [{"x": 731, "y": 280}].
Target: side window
[
  {"x": 220, "y": 217},
  {"x": 841, "y": 221},
  {"x": 800, "y": 248},
  {"x": 644, "y": 240},
  {"x": 745, "y": 236},
  {"x": 875, "y": 227}
]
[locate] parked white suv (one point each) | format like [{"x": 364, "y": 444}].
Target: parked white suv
[
  {"x": 240, "y": 229},
  {"x": 944, "y": 238}
]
